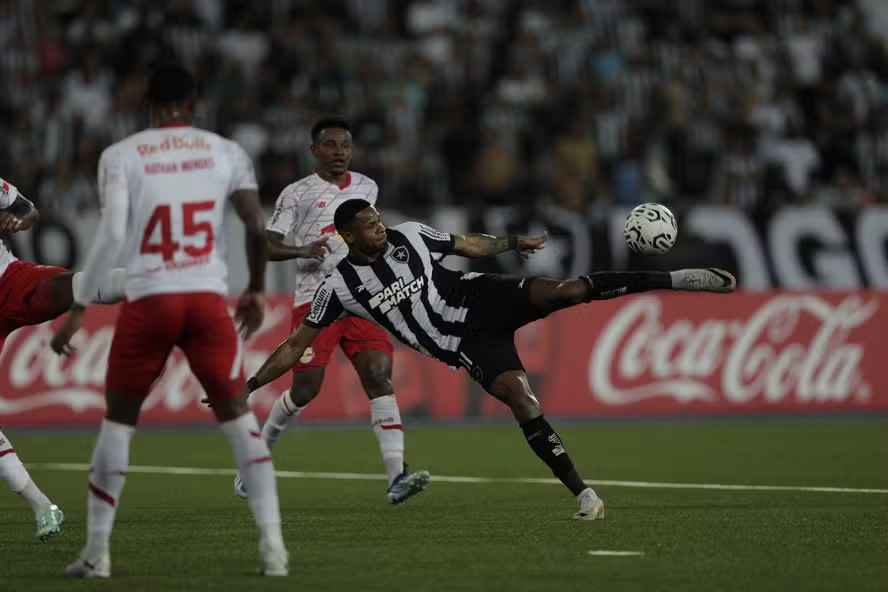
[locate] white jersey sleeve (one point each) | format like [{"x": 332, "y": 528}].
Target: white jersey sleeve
[
  {"x": 287, "y": 213},
  {"x": 243, "y": 175},
  {"x": 325, "y": 306},
  {"x": 111, "y": 236},
  {"x": 8, "y": 194}
]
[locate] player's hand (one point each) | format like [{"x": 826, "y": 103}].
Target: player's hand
[
  {"x": 61, "y": 341},
  {"x": 317, "y": 249},
  {"x": 250, "y": 312},
  {"x": 528, "y": 245},
  {"x": 9, "y": 223}
]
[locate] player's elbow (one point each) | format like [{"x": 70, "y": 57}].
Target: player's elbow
[
  {"x": 274, "y": 250},
  {"x": 254, "y": 226}
]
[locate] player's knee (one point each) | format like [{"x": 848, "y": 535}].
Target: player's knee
[
  {"x": 513, "y": 389},
  {"x": 573, "y": 292},
  {"x": 123, "y": 408},
  {"x": 375, "y": 371},
  {"x": 229, "y": 408},
  {"x": 301, "y": 394}
]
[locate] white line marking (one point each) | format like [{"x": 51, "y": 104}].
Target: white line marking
[
  {"x": 616, "y": 553},
  {"x": 157, "y": 470}
]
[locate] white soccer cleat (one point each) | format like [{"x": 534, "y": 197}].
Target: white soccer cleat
[
  {"x": 90, "y": 568},
  {"x": 275, "y": 560},
  {"x": 49, "y": 522},
  {"x": 591, "y": 506},
  {"x": 406, "y": 485},
  {"x": 704, "y": 280},
  {"x": 240, "y": 488}
]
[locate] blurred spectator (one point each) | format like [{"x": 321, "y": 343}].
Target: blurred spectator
[{"x": 744, "y": 102}]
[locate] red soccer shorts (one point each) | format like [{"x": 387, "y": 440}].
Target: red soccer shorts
[
  {"x": 26, "y": 297},
  {"x": 198, "y": 323},
  {"x": 353, "y": 334}
]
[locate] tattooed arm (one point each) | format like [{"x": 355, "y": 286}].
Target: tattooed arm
[{"x": 485, "y": 245}]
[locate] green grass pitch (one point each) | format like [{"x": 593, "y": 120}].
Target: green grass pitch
[{"x": 188, "y": 532}]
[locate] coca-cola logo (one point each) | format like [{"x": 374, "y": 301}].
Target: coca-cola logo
[
  {"x": 78, "y": 382},
  {"x": 795, "y": 346}
]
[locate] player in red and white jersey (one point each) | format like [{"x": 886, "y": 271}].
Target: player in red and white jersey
[
  {"x": 31, "y": 294},
  {"x": 163, "y": 194},
  {"x": 302, "y": 228}
]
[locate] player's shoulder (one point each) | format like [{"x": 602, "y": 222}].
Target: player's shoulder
[
  {"x": 362, "y": 180},
  {"x": 301, "y": 188},
  {"x": 421, "y": 231},
  {"x": 226, "y": 145}
]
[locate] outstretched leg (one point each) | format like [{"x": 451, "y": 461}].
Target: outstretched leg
[
  {"x": 48, "y": 516},
  {"x": 55, "y": 295},
  {"x": 549, "y": 295},
  {"x": 513, "y": 389}
]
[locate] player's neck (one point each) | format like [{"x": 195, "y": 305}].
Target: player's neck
[
  {"x": 171, "y": 122},
  {"x": 340, "y": 180},
  {"x": 359, "y": 258}
]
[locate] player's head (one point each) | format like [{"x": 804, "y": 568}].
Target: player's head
[
  {"x": 170, "y": 94},
  {"x": 331, "y": 145},
  {"x": 360, "y": 226}
]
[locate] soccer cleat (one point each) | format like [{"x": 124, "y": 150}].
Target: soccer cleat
[
  {"x": 240, "y": 488},
  {"x": 275, "y": 560},
  {"x": 591, "y": 506},
  {"x": 704, "y": 280},
  {"x": 49, "y": 522},
  {"x": 406, "y": 485},
  {"x": 90, "y": 569}
]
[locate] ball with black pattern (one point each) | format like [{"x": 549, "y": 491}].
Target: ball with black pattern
[{"x": 650, "y": 229}]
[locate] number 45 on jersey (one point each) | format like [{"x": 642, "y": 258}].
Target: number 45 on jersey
[{"x": 158, "y": 236}]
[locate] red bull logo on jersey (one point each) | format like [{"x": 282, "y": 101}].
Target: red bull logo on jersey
[
  {"x": 396, "y": 293},
  {"x": 174, "y": 143}
]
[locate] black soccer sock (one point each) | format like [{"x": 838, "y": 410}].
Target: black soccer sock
[
  {"x": 547, "y": 445},
  {"x": 610, "y": 284}
]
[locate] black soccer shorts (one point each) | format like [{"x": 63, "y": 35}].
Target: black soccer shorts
[{"x": 498, "y": 306}]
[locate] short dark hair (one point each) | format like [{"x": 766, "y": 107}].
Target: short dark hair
[
  {"x": 170, "y": 83},
  {"x": 348, "y": 211},
  {"x": 328, "y": 123}
]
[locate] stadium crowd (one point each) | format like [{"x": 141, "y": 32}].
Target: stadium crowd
[{"x": 754, "y": 103}]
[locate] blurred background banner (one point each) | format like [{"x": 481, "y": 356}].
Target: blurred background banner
[
  {"x": 656, "y": 354},
  {"x": 793, "y": 247}
]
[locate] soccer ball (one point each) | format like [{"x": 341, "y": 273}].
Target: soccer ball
[{"x": 650, "y": 229}]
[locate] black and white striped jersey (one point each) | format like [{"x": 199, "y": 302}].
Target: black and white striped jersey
[{"x": 406, "y": 290}]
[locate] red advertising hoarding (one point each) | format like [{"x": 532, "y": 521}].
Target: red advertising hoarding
[{"x": 652, "y": 354}]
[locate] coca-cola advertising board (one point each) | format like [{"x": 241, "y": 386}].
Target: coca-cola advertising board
[{"x": 651, "y": 354}]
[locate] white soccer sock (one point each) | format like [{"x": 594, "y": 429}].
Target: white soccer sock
[
  {"x": 16, "y": 476},
  {"x": 111, "y": 290},
  {"x": 253, "y": 460},
  {"x": 282, "y": 412},
  {"x": 110, "y": 462},
  {"x": 385, "y": 417}
]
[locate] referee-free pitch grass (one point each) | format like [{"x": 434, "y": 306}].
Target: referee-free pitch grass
[{"x": 188, "y": 532}]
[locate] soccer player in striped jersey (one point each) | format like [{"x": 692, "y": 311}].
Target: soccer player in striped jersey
[
  {"x": 302, "y": 228},
  {"x": 31, "y": 294},
  {"x": 393, "y": 276}
]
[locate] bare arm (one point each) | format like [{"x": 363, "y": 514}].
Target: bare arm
[
  {"x": 251, "y": 306},
  {"x": 485, "y": 245},
  {"x": 279, "y": 251},
  {"x": 284, "y": 357},
  {"x": 246, "y": 204}
]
